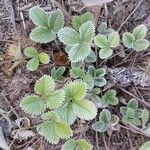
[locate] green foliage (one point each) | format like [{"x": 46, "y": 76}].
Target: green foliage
[
  {"x": 107, "y": 44},
  {"x": 53, "y": 129},
  {"x": 57, "y": 74},
  {"x": 145, "y": 117},
  {"x": 35, "y": 58},
  {"x": 104, "y": 121},
  {"x": 78, "y": 42},
  {"x": 47, "y": 25},
  {"x": 145, "y": 146},
  {"x": 91, "y": 57},
  {"x": 136, "y": 39},
  {"x": 98, "y": 76},
  {"x": 79, "y": 144},
  {"x": 46, "y": 97},
  {"x": 110, "y": 98},
  {"x": 75, "y": 104}
]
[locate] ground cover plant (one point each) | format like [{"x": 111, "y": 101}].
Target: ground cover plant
[{"x": 66, "y": 101}]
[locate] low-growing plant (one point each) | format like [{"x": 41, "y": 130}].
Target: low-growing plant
[
  {"x": 35, "y": 58},
  {"x": 136, "y": 39}
]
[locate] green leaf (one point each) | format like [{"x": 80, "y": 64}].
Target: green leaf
[
  {"x": 89, "y": 81},
  {"x": 42, "y": 35},
  {"x": 44, "y": 86},
  {"x": 83, "y": 145},
  {"x": 140, "y": 31},
  {"x": 44, "y": 58},
  {"x": 33, "y": 105},
  {"x": 105, "y": 116},
  {"x": 110, "y": 97},
  {"x": 38, "y": 16},
  {"x": 33, "y": 64},
  {"x": 91, "y": 71},
  {"x": 57, "y": 74},
  {"x": 128, "y": 39},
  {"x": 79, "y": 52},
  {"x": 145, "y": 117},
  {"x": 113, "y": 39},
  {"x": 77, "y": 73},
  {"x": 100, "y": 82},
  {"x": 145, "y": 146},
  {"x": 130, "y": 113},
  {"x": 123, "y": 110},
  {"x": 55, "y": 99},
  {"x": 30, "y": 52},
  {"x": 56, "y": 20},
  {"x": 78, "y": 21},
  {"x": 87, "y": 31},
  {"x": 100, "y": 126},
  {"x": 133, "y": 104},
  {"x": 69, "y": 36},
  {"x": 105, "y": 53},
  {"x": 60, "y": 71},
  {"x": 70, "y": 145},
  {"x": 141, "y": 45},
  {"x": 101, "y": 41},
  {"x": 84, "y": 109},
  {"x": 76, "y": 64},
  {"x": 100, "y": 72},
  {"x": 102, "y": 27},
  {"x": 91, "y": 57},
  {"x": 75, "y": 90}
]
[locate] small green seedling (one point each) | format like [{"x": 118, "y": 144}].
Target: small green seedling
[
  {"x": 107, "y": 44},
  {"x": 75, "y": 104},
  {"x": 52, "y": 128},
  {"x": 136, "y": 39},
  {"x": 47, "y": 25},
  {"x": 145, "y": 146},
  {"x": 79, "y": 144},
  {"x": 35, "y": 58},
  {"x": 98, "y": 76},
  {"x": 102, "y": 29},
  {"x": 57, "y": 74},
  {"x": 78, "y": 43},
  {"x": 134, "y": 115}
]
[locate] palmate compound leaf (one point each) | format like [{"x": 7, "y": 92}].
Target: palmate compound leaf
[
  {"x": 33, "y": 105},
  {"x": 30, "y": 52},
  {"x": 54, "y": 129},
  {"x": 33, "y": 64},
  {"x": 38, "y": 16},
  {"x": 42, "y": 35},
  {"x": 44, "y": 86},
  {"x": 79, "y": 144},
  {"x": 140, "y": 45},
  {"x": 77, "y": 21},
  {"x": 56, "y": 20},
  {"x": 44, "y": 58}
]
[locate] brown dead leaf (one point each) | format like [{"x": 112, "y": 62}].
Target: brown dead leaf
[{"x": 89, "y": 3}]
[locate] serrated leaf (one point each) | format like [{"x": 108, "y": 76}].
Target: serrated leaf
[
  {"x": 100, "y": 82},
  {"x": 57, "y": 74},
  {"x": 75, "y": 90},
  {"x": 130, "y": 113},
  {"x": 77, "y": 21},
  {"x": 77, "y": 73},
  {"x": 30, "y": 52},
  {"x": 87, "y": 31},
  {"x": 79, "y": 52},
  {"x": 100, "y": 126},
  {"x": 128, "y": 39},
  {"x": 102, "y": 27},
  {"x": 44, "y": 86},
  {"x": 60, "y": 71},
  {"x": 76, "y": 64},
  {"x": 133, "y": 104},
  {"x": 145, "y": 146},
  {"x": 101, "y": 41},
  {"x": 91, "y": 57},
  {"x": 105, "y": 116},
  {"x": 33, "y": 105},
  {"x": 84, "y": 109},
  {"x": 69, "y": 36},
  {"x": 105, "y": 53},
  {"x": 145, "y": 117},
  {"x": 123, "y": 110},
  {"x": 33, "y": 64},
  {"x": 55, "y": 99},
  {"x": 69, "y": 145},
  {"x": 100, "y": 72},
  {"x": 44, "y": 58},
  {"x": 113, "y": 39},
  {"x": 89, "y": 81},
  {"x": 140, "y": 31},
  {"x": 38, "y": 16},
  {"x": 56, "y": 20},
  {"x": 91, "y": 71},
  {"x": 42, "y": 35},
  {"x": 141, "y": 45}
]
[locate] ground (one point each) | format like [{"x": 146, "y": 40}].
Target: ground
[{"x": 15, "y": 26}]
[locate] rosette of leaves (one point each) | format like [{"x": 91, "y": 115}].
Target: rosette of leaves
[
  {"x": 78, "y": 42},
  {"x": 57, "y": 74},
  {"x": 79, "y": 74},
  {"x": 107, "y": 44},
  {"x": 75, "y": 104},
  {"x": 98, "y": 76},
  {"x": 134, "y": 115},
  {"x": 47, "y": 25},
  {"x": 53, "y": 129},
  {"x": 35, "y": 58},
  {"x": 45, "y": 97},
  {"x": 79, "y": 144},
  {"x": 136, "y": 39},
  {"x": 104, "y": 30},
  {"x": 104, "y": 121},
  {"x": 110, "y": 98}
]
